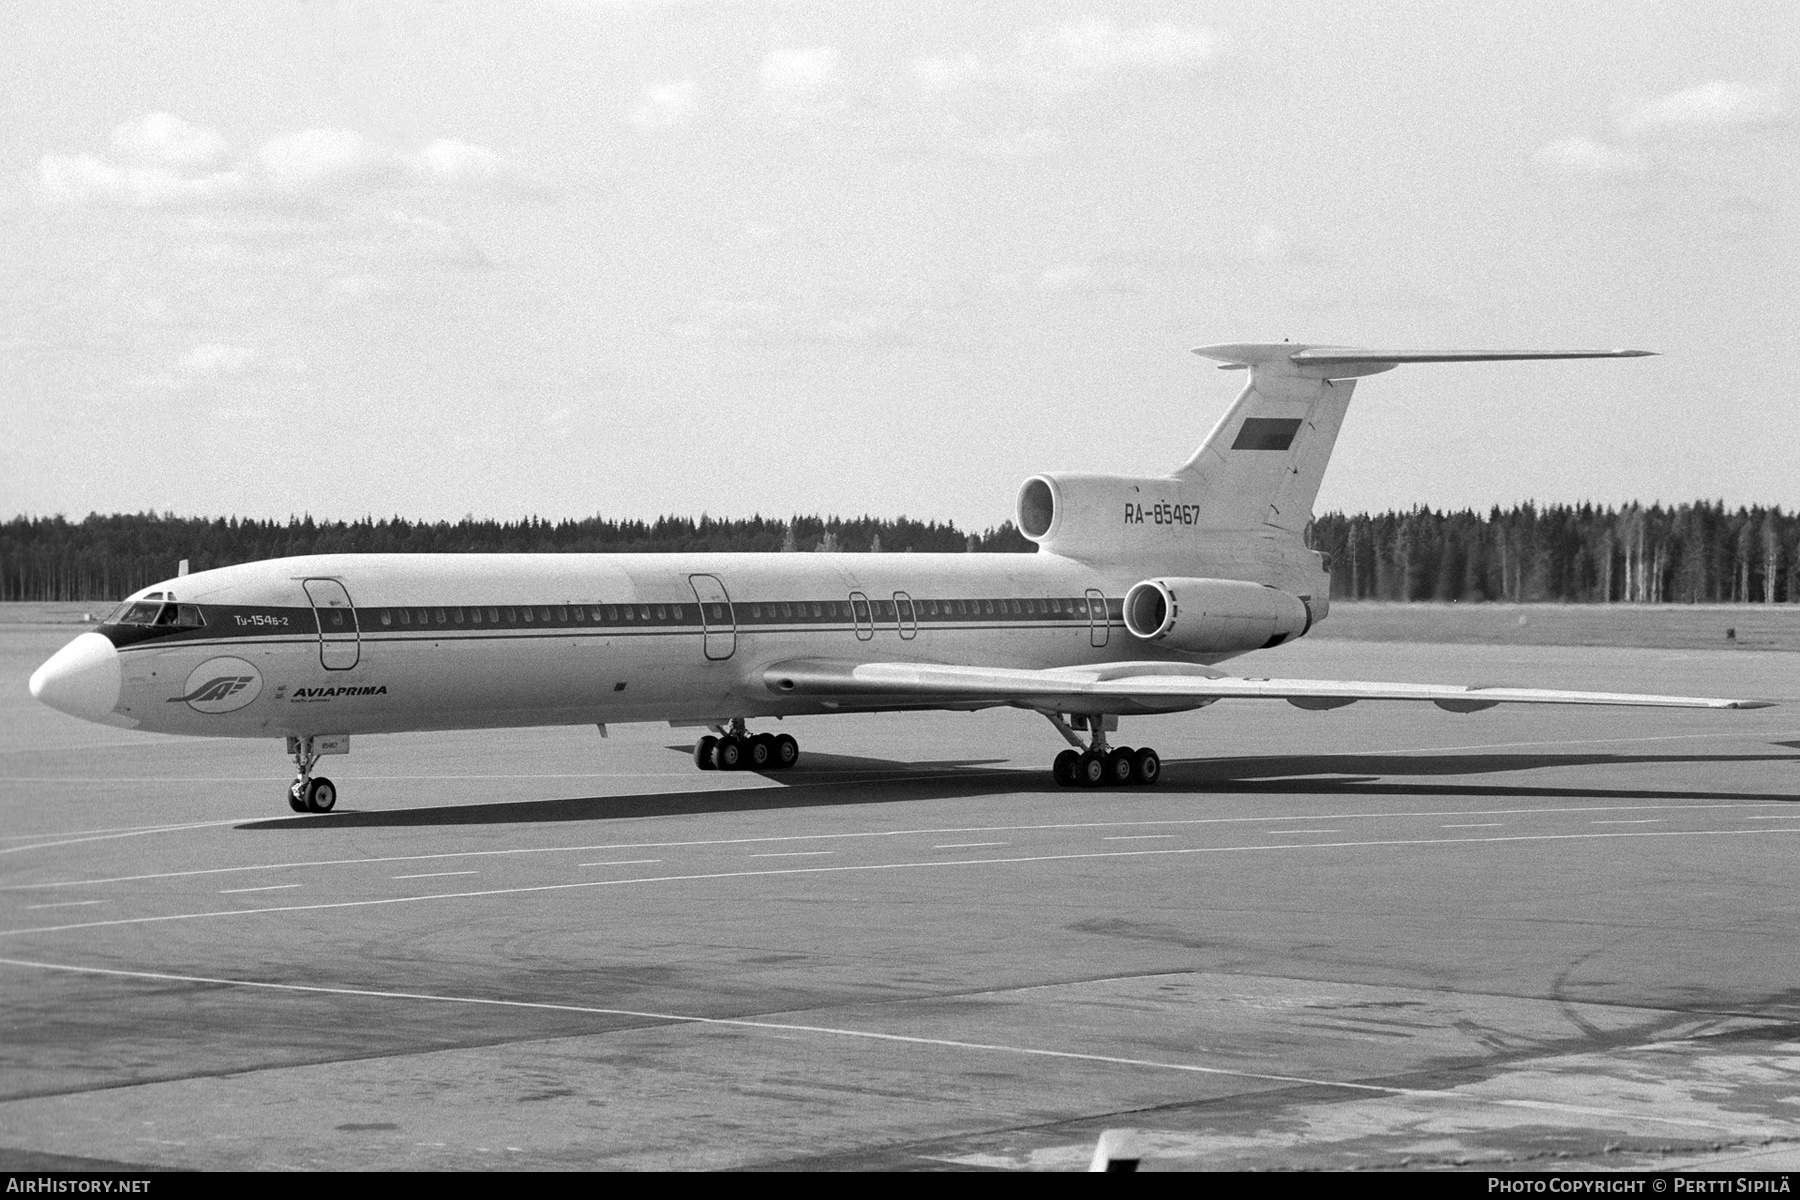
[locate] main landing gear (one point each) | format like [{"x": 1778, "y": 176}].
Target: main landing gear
[
  {"x": 309, "y": 792},
  {"x": 736, "y": 749},
  {"x": 1097, "y": 764}
]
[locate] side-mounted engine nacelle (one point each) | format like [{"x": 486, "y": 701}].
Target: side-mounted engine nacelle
[{"x": 1214, "y": 616}]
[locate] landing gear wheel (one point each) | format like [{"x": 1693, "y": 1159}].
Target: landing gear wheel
[
  {"x": 703, "y": 752},
  {"x": 1146, "y": 767},
  {"x": 787, "y": 752},
  {"x": 1063, "y": 768},
  {"x": 759, "y": 752},
  {"x": 296, "y": 801},
  {"x": 727, "y": 754},
  {"x": 1090, "y": 770},
  {"x": 321, "y": 795},
  {"x": 1120, "y": 764}
]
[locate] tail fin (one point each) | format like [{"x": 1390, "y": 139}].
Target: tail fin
[{"x": 1262, "y": 463}]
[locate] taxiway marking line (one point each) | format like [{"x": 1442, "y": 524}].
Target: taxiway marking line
[
  {"x": 272, "y": 887},
  {"x": 899, "y": 866},
  {"x": 1312, "y": 831},
  {"x": 63, "y": 904},
  {"x": 1136, "y": 837},
  {"x": 104, "y": 837},
  {"x": 975, "y": 845},
  {"x": 1635, "y": 821},
  {"x": 1182, "y": 822},
  {"x": 622, "y": 862},
  {"x": 864, "y": 1035},
  {"x": 434, "y": 874},
  {"x": 1478, "y": 825},
  {"x": 796, "y": 854}
]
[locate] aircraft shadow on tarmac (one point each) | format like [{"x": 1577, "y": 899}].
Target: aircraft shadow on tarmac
[{"x": 828, "y": 780}]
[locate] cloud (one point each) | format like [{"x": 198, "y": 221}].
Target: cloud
[
  {"x": 799, "y": 72},
  {"x": 440, "y": 242},
  {"x": 1585, "y": 156},
  {"x": 85, "y": 178},
  {"x": 162, "y": 161},
  {"x": 315, "y": 159},
  {"x": 1078, "y": 55},
  {"x": 664, "y": 105},
  {"x": 1710, "y": 107},
  {"x": 213, "y": 360},
  {"x": 169, "y": 141}
]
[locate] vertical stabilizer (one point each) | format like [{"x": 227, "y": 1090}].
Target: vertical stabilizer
[{"x": 1260, "y": 467}]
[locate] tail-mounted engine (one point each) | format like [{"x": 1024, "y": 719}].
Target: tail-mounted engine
[{"x": 1214, "y": 616}]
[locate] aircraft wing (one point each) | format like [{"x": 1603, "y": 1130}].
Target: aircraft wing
[{"x": 1149, "y": 687}]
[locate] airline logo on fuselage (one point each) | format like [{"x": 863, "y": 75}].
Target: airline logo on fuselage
[
  {"x": 329, "y": 693},
  {"x": 220, "y": 685}
]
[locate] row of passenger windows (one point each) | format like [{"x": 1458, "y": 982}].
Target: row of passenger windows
[{"x": 1068, "y": 607}]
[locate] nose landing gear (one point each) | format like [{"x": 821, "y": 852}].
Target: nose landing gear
[
  {"x": 309, "y": 792},
  {"x": 736, "y": 749},
  {"x": 1097, "y": 765}
]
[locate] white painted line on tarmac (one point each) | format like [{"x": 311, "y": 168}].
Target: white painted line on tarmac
[
  {"x": 796, "y": 854},
  {"x": 1637, "y": 821},
  {"x": 1312, "y": 831},
  {"x": 622, "y": 862},
  {"x": 1136, "y": 837},
  {"x": 64, "y": 904},
  {"x": 272, "y": 887},
  {"x": 434, "y": 874},
  {"x": 103, "y": 837},
  {"x": 1478, "y": 825},
  {"x": 1182, "y": 822},
  {"x": 76, "y": 833},
  {"x": 897, "y": 866},
  {"x": 782, "y": 1027},
  {"x": 1787, "y": 817},
  {"x": 976, "y": 845}
]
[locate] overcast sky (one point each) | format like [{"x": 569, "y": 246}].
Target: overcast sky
[{"x": 638, "y": 257}]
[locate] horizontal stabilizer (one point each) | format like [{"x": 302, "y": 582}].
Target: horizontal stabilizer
[
  {"x": 1339, "y": 362},
  {"x": 1150, "y": 687}
]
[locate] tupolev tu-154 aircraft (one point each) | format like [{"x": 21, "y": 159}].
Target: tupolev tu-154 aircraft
[{"x": 1139, "y": 588}]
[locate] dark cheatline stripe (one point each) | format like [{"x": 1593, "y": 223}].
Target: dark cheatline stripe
[
  {"x": 240, "y": 624},
  {"x": 1267, "y": 433}
]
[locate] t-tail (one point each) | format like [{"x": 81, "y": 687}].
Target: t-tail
[{"x": 1247, "y": 493}]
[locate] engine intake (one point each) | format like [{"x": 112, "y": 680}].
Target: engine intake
[{"x": 1214, "y": 616}]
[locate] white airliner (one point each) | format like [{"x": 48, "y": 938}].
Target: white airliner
[{"x": 1139, "y": 587}]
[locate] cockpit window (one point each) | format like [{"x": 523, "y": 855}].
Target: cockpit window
[{"x": 153, "y": 610}]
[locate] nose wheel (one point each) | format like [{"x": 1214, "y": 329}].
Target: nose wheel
[
  {"x": 740, "y": 750},
  {"x": 1097, "y": 765},
  {"x": 309, "y": 793}
]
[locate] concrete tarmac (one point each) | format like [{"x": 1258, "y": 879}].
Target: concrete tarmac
[{"x": 1378, "y": 937}]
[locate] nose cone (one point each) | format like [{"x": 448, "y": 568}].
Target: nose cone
[{"x": 81, "y": 679}]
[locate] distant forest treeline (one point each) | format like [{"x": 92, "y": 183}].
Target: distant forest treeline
[
  {"x": 1692, "y": 553},
  {"x": 1689, "y": 554},
  {"x": 103, "y": 558}
]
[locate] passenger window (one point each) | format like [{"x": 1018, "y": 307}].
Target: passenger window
[
  {"x": 475, "y": 616},
  {"x": 528, "y": 614},
  {"x": 644, "y": 611},
  {"x": 562, "y": 614},
  {"x": 493, "y": 616},
  {"x": 630, "y": 613},
  {"x": 675, "y": 612},
  {"x": 612, "y": 612},
  {"x": 756, "y": 612},
  {"x": 387, "y": 616},
  {"x": 512, "y": 616},
  {"x": 456, "y": 613},
  {"x": 544, "y": 614},
  {"x": 787, "y": 611},
  {"x": 406, "y": 616},
  {"x": 662, "y": 612},
  {"x": 440, "y": 617}
]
